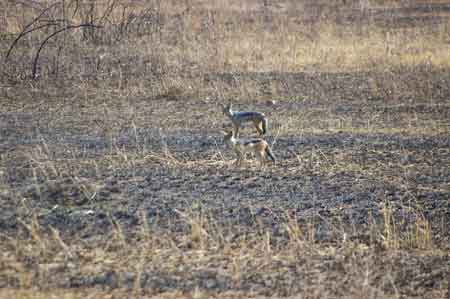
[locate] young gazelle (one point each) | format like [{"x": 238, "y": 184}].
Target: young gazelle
[
  {"x": 238, "y": 117},
  {"x": 242, "y": 146}
]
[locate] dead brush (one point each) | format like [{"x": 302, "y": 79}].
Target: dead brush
[
  {"x": 57, "y": 238},
  {"x": 403, "y": 232},
  {"x": 198, "y": 224},
  {"x": 165, "y": 158},
  {"x": 303, "y": 235},
  {"x": 419, "y": 234},
  {"x": 137, "y": 288},
  {"x": 35, "y": 231},
  {"x": 118, "y": 239},
  {"x": 42, "y": 164},
  {"x": 193, "y": 254}
]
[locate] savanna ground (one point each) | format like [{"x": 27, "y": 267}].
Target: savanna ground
[{"x": 114, "y": 180}]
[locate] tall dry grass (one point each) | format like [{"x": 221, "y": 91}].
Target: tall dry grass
[
  {"x": 169, "y": 43},
  {"x": 131, "y": 263},
  {"x": 170, "y": 50}
]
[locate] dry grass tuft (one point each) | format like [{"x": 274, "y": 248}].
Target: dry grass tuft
[{"x": 114, "y": 181}]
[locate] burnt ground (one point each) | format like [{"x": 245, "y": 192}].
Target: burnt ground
[{"x": 355, "y": 166}]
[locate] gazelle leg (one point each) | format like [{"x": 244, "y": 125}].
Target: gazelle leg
[
  {"x": 260, "y": 157},
  {"x": 258, "y": 127},
  {"x": 236, "y": 131}
]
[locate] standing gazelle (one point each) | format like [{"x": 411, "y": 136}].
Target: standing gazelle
[{"x": 241, "y": 146}]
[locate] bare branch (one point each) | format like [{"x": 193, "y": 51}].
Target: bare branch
[
  {"x": 26, "y": 31},
  {"x": 36, "y": 57}
]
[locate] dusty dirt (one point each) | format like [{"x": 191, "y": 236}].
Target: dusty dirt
[
  {"x": 338, "y": 166},
  {"x": 107, "y": 191}
]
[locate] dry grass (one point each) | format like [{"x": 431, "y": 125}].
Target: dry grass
[
  {"x": 208, "y": 258},
  {"x": 173, "y": 40},
  {"x": 114, "y": 182}
]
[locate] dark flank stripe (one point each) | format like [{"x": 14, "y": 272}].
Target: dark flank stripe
[
  {"x": 247, "y": 115},
  {"x": 252, "y": 141}
]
